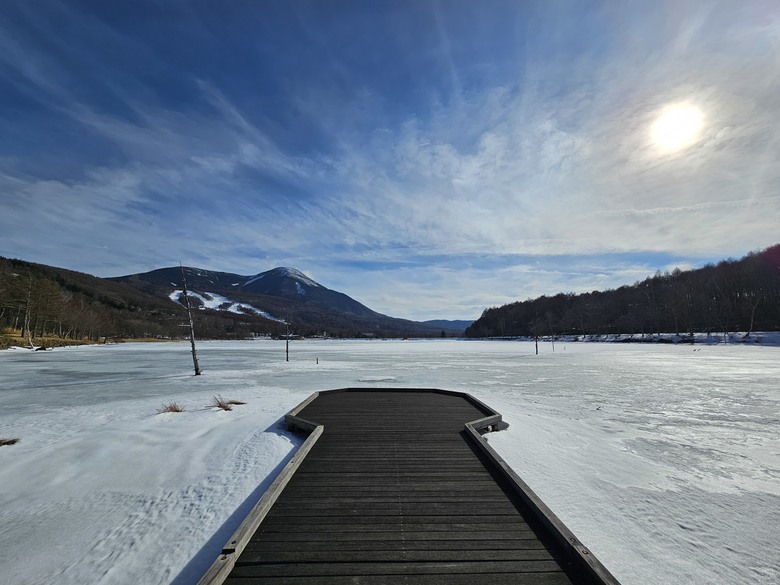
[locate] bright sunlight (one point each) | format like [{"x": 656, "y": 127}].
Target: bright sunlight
[{"x": 678, "y": 126}]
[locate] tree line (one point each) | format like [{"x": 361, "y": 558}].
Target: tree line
[
  {"x": 732, "y": 295},
  {"x": 47, "y": 303},
  {"x": 44, "y": 302}
]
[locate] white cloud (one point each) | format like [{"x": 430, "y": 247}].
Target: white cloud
[
  {"x": 556, "y": 162},
  {"x": 547, "y": 173}
]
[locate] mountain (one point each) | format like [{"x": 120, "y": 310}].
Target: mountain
[
  {"x": 53, "y": 304},
  {"x": 289, "y": 284},
  {"x": 280, "y": 295}
]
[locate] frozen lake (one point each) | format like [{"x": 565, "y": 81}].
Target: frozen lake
[{"x": 664, "y": 460}]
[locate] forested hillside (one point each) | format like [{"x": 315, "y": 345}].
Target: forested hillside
[
  {"x": 43, "y": 301},
  {"x": 734, "y": 295}
]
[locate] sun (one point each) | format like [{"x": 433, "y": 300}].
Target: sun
[{"x": 677, "y": 127}]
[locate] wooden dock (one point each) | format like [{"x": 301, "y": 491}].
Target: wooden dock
[{"x": 398, "y": 486}]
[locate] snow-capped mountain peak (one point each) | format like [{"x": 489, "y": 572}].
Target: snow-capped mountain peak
[
  {"x": 283, "y": 272},
  {"x": 296, "y": 275},
  {"x": 271, "y": 294}
]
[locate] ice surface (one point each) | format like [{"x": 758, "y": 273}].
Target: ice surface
[{"x": 665, "y": 461}]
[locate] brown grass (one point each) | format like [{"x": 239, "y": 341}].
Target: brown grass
[
  {"x": 4, "y": 442},
  {"x": 219, "y": 402},
  {"x": 170, "y": 407},
  {"x": 10, "y": 337}
]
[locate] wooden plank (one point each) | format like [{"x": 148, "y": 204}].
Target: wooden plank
[
  {"x": 399, "y": 524},
  {"x": 387, "y": 535},
  {"x": 430, "y": 506},
  {"x": 343, "y": 496},
  {"x": 290, "y": 522},
  {"x": 416, "y": 568},
  {"x": 452, "y": 545},
  {"x": 400, "y": 527},
  {"x": 311, "y": 476},
  {"x": 395, "y": 556},
  {"x": 484, "y": 485},
  {"x": 450, "y": 579}
]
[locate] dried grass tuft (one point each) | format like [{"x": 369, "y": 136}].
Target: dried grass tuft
[
  {"x": 219, "y": 402},
  {"x": 170, "y": 407},
  {"x": 4, "y": 442}
]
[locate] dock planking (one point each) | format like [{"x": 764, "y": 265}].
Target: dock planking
[{"x": 396, "y": 487}]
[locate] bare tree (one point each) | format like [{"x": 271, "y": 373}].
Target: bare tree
[
  {"x": 536, "y": 327},
  {"x": 28, "y": 310},
  {"x": 192, "y": 324}
]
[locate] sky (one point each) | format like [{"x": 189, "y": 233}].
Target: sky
[{"x": 429, "y": 159}]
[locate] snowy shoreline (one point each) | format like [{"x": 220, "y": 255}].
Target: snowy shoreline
[
  {"x": 663, "y": 462},
  {"x": 756, "y": 338},
  {"x": 759, "y": 338}
]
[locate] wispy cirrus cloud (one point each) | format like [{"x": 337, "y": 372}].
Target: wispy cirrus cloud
[{"x": 435, "y": 160}]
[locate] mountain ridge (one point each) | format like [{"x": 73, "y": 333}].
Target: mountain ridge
[
  {"x": 51, "y": 301},
  {"x": 282, "y": 294},
  {"x": 290, "y": 284}
]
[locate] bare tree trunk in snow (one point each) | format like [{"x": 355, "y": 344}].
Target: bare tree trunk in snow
[{"x": 192, "y": 324}]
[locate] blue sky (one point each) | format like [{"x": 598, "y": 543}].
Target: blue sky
[{"x": 430, "y": 159}]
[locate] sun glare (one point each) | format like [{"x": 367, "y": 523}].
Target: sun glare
[{"x": 677, "y": 127}]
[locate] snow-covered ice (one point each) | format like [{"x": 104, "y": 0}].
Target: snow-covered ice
[{"x": 664, "y": 460}]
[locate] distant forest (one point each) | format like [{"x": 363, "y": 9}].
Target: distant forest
[
  {"x": 733, "y": 295},
  {"x": 47, "y": 303}
]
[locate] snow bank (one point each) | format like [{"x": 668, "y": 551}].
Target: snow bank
[{"x": 770, "y": 338}]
